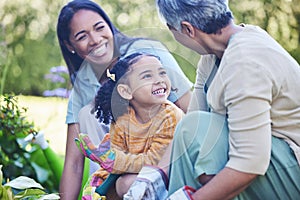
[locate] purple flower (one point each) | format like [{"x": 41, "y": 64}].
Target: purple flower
[
  {"x": 58, "y": 92},
  {"x": 57, "y": 75},
  {"x": 55, "y": 78},
  {"x": 59, "y": 69}
]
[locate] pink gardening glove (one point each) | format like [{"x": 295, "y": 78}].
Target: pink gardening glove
[{"x": 101, "y": 154}]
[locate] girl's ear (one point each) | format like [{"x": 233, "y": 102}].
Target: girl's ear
[
  {"x": 69, "y": 47},
  {"x": 188, "y": 29},
  {"x": 124, "y": 91}
]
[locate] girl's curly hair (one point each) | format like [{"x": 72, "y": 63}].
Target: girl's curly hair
[{"x": 109, "y": 105}]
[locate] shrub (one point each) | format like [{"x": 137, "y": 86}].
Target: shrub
[
  {"x": 18, "y": 160},
  {"x": 23, "y": 188}
]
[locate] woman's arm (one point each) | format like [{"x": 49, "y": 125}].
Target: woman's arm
[
  {"x": 184, "y": 101},
  {"x": 71, "y": 179},
  {"x": 225, "y": 185},
  {"x": 249, "y": 123}
]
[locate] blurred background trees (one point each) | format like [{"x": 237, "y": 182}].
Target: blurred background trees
[
  {"x": 30, "y": 44},
  {"x": 280, "y": 18},
  {"x": 29, "y": 47}
]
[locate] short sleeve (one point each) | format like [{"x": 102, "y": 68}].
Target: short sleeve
[{"x": 247, "y": 97}]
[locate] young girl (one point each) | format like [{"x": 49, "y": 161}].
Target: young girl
[
  {"x": 143, "y": 121},
  {"x": 90, "y": 44}
]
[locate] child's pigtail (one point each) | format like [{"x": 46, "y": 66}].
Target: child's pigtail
[{"x": 103, "y": 102}]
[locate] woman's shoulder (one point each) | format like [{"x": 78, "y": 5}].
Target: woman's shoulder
[
  {"x": 141, "y": 44},
  {"x": 86, "y": 75}
]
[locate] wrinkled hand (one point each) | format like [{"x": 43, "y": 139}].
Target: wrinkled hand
[
  {"x": 183, "y": 193},
  {"x": 150, "y": 184},
  {"x": 101, "y": 154}
]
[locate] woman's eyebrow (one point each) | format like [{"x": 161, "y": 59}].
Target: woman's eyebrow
[
  {"x": 97, "y": 23},
  {"x": 80, "y": 32}
]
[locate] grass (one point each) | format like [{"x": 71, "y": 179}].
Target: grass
[{"x": 48, "y": 114}]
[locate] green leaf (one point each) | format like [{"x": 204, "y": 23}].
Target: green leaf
[
  {"x": 5, "y": 193},
  {"x": 23, "y": 182},
  {"x": 34, "y": 193}
]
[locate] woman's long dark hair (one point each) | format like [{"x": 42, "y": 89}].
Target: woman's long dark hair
[
  {"x": 74, "y": 61},
  {"x": 109, "y": 105}
]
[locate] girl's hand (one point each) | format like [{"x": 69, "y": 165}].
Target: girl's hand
[{"x": 101, "y": 154}]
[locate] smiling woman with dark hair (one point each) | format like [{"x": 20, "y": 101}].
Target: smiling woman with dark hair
[{"x": 90, "y": 45}]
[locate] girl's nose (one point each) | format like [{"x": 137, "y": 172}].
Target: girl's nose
[{"x": 159, "y": 80}]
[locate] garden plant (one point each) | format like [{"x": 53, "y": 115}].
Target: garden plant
[{"x": 19, "y": 159}]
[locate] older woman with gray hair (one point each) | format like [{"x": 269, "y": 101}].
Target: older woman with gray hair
[{"x": 241, "y": 136}]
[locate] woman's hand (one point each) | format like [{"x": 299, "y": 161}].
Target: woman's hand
[{"x": 151, "y": 183}]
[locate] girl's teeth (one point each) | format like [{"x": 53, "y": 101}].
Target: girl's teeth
[{"x": 161, "y": 91}]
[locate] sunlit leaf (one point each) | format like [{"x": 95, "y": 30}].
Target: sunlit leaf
[
  {"x": 23, "y": 182},
  {"x": 49, "y": 197},
  {"x": 5, "y": 193}
]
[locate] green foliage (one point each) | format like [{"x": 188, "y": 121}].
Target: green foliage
[
  {"x": 30, "y": 38},
  {"x": 12, "y": 118},
  {"x": 3, "y": 59},
  {"x": 29, "y": 46},
  {"x": 15, "y": 159},
  {"x": 5, "y": 191},
  {"x": 23, "y": 188},
  {"x": 13, "y": 125},
  {"x": 281, "y": 19}
]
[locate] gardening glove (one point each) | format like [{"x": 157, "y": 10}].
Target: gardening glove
[
  {"x": 150, "y": 184},
  {"x": 95, "y": 180},
  {"x": 101, "y": 154},
  {"x": 183, "y": 193},
  {"x": 92, "y": 195},
  {"x": 39, "y": 139}
]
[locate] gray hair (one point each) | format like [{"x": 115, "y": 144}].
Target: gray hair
[{"x": 209, "y": 16}]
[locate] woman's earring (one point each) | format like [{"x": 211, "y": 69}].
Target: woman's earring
[{"x": 73, "y": 52}]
